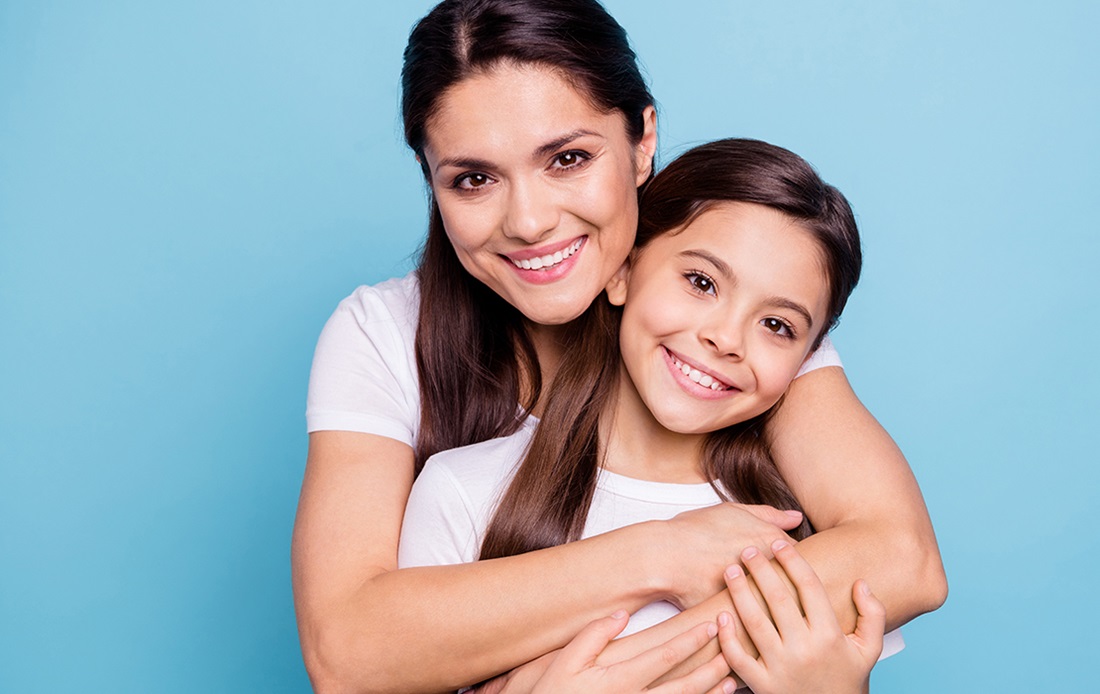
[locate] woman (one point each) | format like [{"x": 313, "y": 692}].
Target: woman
[{"x": 535, "y": 129}]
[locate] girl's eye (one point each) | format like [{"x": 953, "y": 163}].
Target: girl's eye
[
  {"x": 701, "y": 283},
  {"x": 779, "y": 327},
  {"x": 570, "y": 159},
  {"x": 470, "y": 181}
]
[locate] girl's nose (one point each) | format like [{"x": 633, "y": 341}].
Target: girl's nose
[
  {"x": 724, "y": 333},
  {"x": 532, "y": 213}
]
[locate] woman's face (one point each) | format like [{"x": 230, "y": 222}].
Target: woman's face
[
  {"x": 719, "y": 316},
  {"x": 537, "y": 188}
]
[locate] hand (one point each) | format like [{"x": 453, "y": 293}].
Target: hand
[
  {"x": 703, "y": 542},
  {"x": 574, "y": 669},
  {"x": 798, "y": 653}
]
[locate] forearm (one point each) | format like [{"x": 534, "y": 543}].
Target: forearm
[{"x": 436, "y": 628}]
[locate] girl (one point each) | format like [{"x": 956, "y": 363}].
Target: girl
[
  {"x": 744, "y": 260},
  {"x": 534, "y": 128}
]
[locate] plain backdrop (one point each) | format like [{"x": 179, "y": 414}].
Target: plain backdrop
[{"x": 188, "y": 189}]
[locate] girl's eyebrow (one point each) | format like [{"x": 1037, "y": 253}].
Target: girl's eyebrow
[
  {"x": 719, "y": 264},
  {"x": 543, "y": 150},
  {"x": 724, "y": 269}
]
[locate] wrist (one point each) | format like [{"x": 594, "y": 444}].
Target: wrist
[{"x": 648, "y": 544}]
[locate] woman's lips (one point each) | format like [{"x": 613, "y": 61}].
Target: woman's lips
[{"x": 546, "y": 264}]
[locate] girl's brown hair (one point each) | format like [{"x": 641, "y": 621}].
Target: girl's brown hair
[
  {"x": 473, "y": 354},
  {"x": 547, "y": 502}
]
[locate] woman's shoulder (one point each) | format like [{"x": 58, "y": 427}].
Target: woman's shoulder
[{"x": 396, "y": 299}]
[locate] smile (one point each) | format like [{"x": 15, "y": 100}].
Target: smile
[
  {"x": 703, "y": 378},
  {"x": 545, "y": 262}
]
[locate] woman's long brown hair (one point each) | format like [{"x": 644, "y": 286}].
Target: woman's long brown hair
[{"x": 548, "y": 500}]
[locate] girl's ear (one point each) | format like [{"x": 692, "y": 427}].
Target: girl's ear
[
  {"x": 616, "y": 288},
  {"x": 647, "y": 147}
]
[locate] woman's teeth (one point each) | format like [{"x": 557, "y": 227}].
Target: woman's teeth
[
  {"x": 703, "y": 379},
  {"x": 548, "y": 261}
]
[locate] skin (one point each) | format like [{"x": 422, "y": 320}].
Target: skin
[
  {"x": 364, "y": 626},
  {"x": 699, "y": 297}
]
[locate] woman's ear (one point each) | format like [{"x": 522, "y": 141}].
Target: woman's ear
[
  {"x": 616, "y": 288},
  {"x": 647, "y": 146}
]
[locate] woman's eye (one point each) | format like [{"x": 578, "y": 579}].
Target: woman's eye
[
  {"x": 569, "y": 160},
  {"x": 471, "y": 181},
  {"x": 701, "y": 283},
  {"x": 778, "y": 327}
]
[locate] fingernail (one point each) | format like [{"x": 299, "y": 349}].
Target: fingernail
[
  {"x": 712, "y": 630},
  {"x": 749, "y": 553},
  {"x": 864, "y": 588},
  {"x": 724, "y": 619},
  {"x": 619, "y": 614},
  {"x": 728, "y": 687},
  {"x": 778, "y": 545},
  {"x": 733, "y": 572},
  {"x": 794, "y": 514}
]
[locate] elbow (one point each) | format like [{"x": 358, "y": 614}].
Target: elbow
[
  {"x": 334, "y": 666},
  {"x": 928, "y": 586}
]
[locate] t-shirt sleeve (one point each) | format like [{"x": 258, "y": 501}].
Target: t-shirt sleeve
[
  {"x": 364, "y": 376},
  {"x": 824, "y": 355},
  {"x": 439, "y": 526}
]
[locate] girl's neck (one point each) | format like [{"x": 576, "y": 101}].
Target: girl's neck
[{"x": 637, "y": 445}]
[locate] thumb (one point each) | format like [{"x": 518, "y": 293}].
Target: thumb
[
  {"x": 591, "y": 640},
  {"x": 871, "y": 622},
  {"x": 787, "y": 520}
]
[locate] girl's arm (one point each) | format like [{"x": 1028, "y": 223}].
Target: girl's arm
[
  {"x": 364, "y": 626},
  {"x": 862, "y": 498}
]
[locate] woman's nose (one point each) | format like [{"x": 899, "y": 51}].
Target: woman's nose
[{"x": 532, "y": 212}]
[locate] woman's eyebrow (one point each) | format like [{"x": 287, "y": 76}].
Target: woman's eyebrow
[
  {"x": 544, "y": 150},
  {"x": 558, "y": 142}
]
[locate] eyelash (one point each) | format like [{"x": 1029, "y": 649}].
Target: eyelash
[
  {"x": 582, "y": 159},
  {"x": 694, "y": 276},
  {"x": 790, "y": 333}
]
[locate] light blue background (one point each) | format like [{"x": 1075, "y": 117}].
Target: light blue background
[{"x": 187, "y": 189}]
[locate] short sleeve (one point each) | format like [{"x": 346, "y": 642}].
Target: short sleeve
[
  {"x": 364, "y": 371},
  {"x": 824, "y": 355},
  {"x": 439, "y": 526}
]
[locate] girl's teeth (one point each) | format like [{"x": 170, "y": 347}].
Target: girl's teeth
[
  {"x": 550, "y": 260},
  {"x": 705, "y": 380}
]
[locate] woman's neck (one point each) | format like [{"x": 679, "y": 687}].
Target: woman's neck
[
  {"x": 547, "y": 340},
  {"x": 637, "y": 445}
]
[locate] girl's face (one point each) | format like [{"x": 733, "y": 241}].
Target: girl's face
[
  {"x": 720, "y": 315},
  {"x": 537, "y": 188}
]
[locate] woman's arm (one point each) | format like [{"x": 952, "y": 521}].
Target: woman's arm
[
  {"x": 364, "y": 626},
  {"x": 862, "y": 498}
]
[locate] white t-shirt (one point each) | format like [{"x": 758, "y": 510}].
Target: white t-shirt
[
  {"x": 453, "y": 500},
  {"x": 364, "y": 369}
]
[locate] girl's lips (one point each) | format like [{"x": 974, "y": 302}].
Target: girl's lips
[
  {"x": 696, "y": 381},
  {"x": 546, "y": 264}
]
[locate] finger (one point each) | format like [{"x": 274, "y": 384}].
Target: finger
[
  {"x": 744, "y": 665},
  {"x": 787, "y": 520},
  {"x": 754, "y": 619},
  {"x": 649, "y": 665},
  {"x": 591, "y": 640},
  {"x": 708, "y": 677},
  {"x": 727, "y": 686},
  {"x": 781, "y": 602},
  {"x": 811, "y": 592},
  {"x": 871, "y": 621}
]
